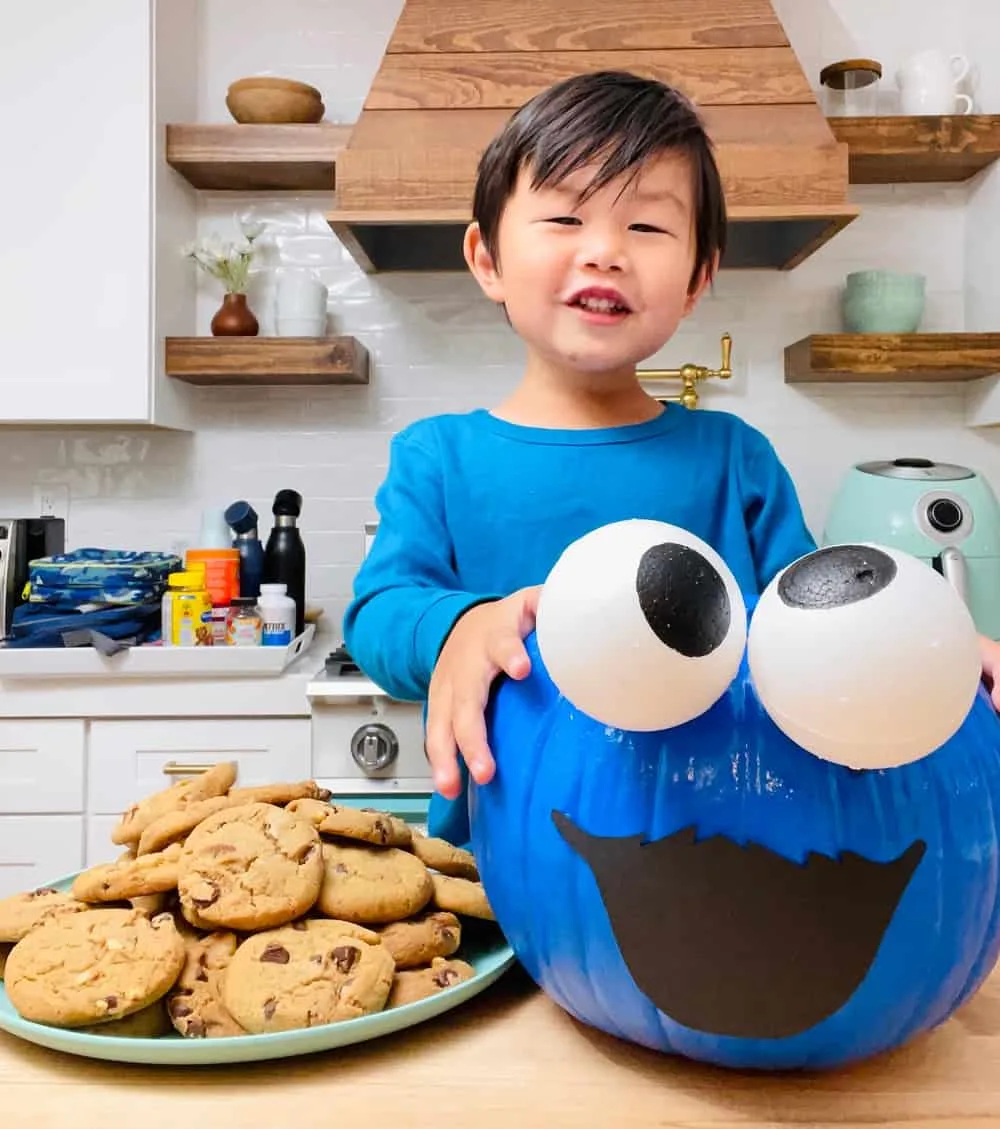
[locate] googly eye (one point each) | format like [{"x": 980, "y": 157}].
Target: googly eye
[
  {"x": 864, "y": 656},
  {"x": 641, "y": 625}
]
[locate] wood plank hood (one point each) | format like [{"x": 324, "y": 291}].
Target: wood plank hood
[{"x": 455, "y": 70}]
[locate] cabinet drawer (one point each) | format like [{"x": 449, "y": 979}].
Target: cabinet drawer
[
  {"x": 41, "y": 766},
  {"x": 127, "y": 758},
  {"x": 35, "y": 849}
]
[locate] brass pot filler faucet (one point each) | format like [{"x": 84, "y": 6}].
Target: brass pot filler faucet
[{"x": 689, "y": 375}]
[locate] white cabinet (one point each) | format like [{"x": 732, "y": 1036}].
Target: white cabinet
[
  {"x": 41, "y": 767},
  {"x": 93, "y": 216},
  {"x": 127, "y": 758},
  {"x": 38, "y": 849}
]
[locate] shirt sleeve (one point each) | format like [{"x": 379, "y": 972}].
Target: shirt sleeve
[
  {"x": 774, "y": 520},
  {"x": 407, "y": 595}
]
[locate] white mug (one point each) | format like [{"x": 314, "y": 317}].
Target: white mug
[
  {"x": 300, "y": 299},
  {"x": 927, "y": 83}
]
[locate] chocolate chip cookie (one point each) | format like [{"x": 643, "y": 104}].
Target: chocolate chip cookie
[
  {"x": 217, "y": 781},
  {"x": 21, "y": 913},
  {"x": 129, "y": 878},
  {"x": 176, "y": 825},
  {"x": 307, "y": 974},
  {"x": 195, "y": 1004},
  {"x": 442, "y": 856},
  {"x": 362, "y": 824},
  {"x": 250, "y": 868},
  {"x": 419, "y": 983},
  {"x": 372, "y": 885},
  {"x": 418, "y": 941},
  {"x": 83, "y": 968},
  {"x": 461, "y": 896}
]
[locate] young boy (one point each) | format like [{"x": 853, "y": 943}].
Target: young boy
[{"x": 599, "y": 221}]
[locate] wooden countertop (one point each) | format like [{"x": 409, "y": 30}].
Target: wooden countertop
[{"x": 510, "y": 1059}]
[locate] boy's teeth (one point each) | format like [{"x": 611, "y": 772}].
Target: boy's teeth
[{"x": 601, "y": 305}]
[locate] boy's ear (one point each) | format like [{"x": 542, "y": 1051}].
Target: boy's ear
[
  {"x": 701, "y": 284},
  {"x": 482, "y": 264}
]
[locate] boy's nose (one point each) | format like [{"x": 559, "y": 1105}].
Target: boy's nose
[{"x": 604, "y": 251}]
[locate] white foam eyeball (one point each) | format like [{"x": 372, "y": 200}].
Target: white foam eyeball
[
  {"x": 641, "y": 625},
  {"x": 864, "y": 655}
]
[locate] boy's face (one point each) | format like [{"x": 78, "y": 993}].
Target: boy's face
[{"x": 598, "y": 286}]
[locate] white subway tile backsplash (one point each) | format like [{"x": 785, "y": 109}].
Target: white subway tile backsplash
[{"x": 438, "y": 345}]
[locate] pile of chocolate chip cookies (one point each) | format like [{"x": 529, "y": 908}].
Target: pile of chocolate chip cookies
[{"x": 238, "y": 911}]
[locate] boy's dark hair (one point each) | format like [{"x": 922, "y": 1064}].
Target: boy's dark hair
[{"x": 612, "y": 118}]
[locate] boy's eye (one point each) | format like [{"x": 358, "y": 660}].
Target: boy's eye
[
  {"x": 647, "y": 227},
  {"x": 568, "y": 220}
]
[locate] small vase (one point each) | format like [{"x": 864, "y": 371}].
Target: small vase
[{"x": 234, "y": 318}]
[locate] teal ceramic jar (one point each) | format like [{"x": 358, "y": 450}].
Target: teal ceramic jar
[{"x": 880, "y": 301}]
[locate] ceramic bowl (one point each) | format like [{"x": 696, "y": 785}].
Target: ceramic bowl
[
  {"x": 261, "y": 100},
  {"x": 879, "y": 301}
]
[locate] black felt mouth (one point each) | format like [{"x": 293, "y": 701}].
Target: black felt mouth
[{"x": 738, "y": 940}]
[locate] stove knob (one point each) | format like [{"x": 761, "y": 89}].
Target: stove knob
[{"x": 374, "y": 747}]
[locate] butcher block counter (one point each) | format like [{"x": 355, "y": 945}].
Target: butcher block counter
[{"x": 510, "y": 1059}]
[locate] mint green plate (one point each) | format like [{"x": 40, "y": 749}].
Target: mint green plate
[{"x": 483, "y": 946}]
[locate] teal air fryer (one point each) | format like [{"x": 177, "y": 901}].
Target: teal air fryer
[{"x": 944, "y": 514}]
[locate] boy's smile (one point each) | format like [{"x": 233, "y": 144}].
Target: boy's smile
[{"x": 595, "y": 281}]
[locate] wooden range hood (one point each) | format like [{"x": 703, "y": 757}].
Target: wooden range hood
[{"x": 455, "y": 70}]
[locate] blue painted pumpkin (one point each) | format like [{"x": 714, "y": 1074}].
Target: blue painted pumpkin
[{"x": 716, "y": 890}]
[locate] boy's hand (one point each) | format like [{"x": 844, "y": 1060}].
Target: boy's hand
[
  {"x": 486, "y": 641},
  {"x": 990, "y": 652}
]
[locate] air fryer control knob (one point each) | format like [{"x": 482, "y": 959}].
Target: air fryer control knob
[
  {"x": 944, "y": 515},
  {"x": 374, "y": 747}
]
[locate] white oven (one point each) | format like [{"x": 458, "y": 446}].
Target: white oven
[{"x": 366, "y": 744}]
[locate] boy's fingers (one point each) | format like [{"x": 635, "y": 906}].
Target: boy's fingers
[
  {"x": 509, "y": 655},
  {"x": 441, "y": 749},
  {"x": 470, "y": 736}
]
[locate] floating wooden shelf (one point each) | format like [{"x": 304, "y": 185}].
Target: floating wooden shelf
[
  {"x": 875, "y": 358},
  {"x": 248, "y": 158},
  {"x": 266, "y": 360},
  {"x": 912, "y": 150}
]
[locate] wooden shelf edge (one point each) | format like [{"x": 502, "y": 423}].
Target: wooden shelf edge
[
  {"x": 877, "y": 358},
  {"x": 899, "y": 149},
  {"x": 261, "y": 361},
  {"x": 257, "y": 157}
]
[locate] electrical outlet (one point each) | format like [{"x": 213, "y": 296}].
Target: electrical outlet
[{"x": 52, "y": 500}]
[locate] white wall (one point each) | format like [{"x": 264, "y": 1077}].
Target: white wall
[{"x": 437, "y": 345}]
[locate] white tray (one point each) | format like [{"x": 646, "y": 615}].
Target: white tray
[{"x": 152, "y": 662}]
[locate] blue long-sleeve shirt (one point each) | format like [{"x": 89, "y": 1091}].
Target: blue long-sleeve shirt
[{"x": 473, "y": 508}]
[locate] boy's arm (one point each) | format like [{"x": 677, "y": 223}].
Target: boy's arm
[{"x": 406, "y": 595}]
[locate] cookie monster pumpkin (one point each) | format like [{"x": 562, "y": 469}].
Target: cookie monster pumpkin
[{"x": 768, "y": 848}]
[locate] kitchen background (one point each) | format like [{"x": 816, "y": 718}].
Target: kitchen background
[{"x": 438, "y": 345}]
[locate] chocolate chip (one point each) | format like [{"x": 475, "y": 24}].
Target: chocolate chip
[
  {"x": 178, "y": 1008},
  {"x": 111, "y": 1001},
  {"x": 323, "y": 793},
  {"x": 340, "y": 869},
  {"x": 270, "y": 1007},
  {"x": 445, "y": 978},
  {"x": 204, "y": 895},
  {"x": 275, "y": 954},
  {"x": 195, "y": 1028},
  {"x": 345, "y": 957},
  {"x": 41, "y": 891},
  {"x": 382, "y": 831}
]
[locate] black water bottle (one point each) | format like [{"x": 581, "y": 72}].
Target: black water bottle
[{"x": 285, "y": 554}]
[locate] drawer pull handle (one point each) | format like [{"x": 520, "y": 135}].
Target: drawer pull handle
[{"x": 172, "y": 768}]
